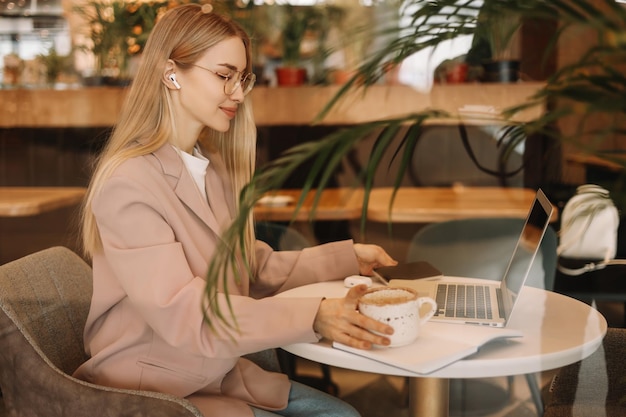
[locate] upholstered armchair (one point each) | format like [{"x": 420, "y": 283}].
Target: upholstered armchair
[
  {"x": 595, "y": 386},
  {"x": 45, "y": 299}
]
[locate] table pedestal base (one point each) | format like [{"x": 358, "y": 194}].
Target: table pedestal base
[
  {"x": 476, "y": 397},
  {"x": 429, "y": 397},
  {"x": 432, "y": 397}
]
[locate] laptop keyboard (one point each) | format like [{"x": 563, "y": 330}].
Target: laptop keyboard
[{"x": 464, "y": 301}]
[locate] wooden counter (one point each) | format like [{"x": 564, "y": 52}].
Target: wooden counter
[
  {"x": 273, "y": 106},
  {"x": 31, "y": 201}
]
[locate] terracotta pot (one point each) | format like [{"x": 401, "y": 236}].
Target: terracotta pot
[
  {"x": 342, "y": 76},
  {"x": 457, "y": 74},
  {"x": 290, "y": 76}
]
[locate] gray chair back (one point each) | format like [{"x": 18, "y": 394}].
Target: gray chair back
[
  {"x": 45, "y": 298},
  {"x": 481, "y": 248},
  {"x": 441, "y": 158},
  {"x": 595, "y": 386}
]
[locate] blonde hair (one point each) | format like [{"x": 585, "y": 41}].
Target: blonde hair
[{"x": 182, "y": 34}]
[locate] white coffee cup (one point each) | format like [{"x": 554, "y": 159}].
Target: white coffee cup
[{"x": 400, "y": 308}]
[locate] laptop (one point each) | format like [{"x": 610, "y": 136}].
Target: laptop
[{"x": 490, "y": 304}]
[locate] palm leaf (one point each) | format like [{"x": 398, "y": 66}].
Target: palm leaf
[{"x": 592, "y": 83}]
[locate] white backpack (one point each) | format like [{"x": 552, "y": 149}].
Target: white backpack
[{"x": 589, "y": 224}]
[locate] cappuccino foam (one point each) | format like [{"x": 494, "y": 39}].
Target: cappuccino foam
[{"x": 387, "y": 296}]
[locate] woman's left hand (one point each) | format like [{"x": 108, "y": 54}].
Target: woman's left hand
[
  {"x": 371, "y": 257},
  {"x": 338, "y": 319}
]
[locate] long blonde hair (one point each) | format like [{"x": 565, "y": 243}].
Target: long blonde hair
[{"x": 182, "y": 34}]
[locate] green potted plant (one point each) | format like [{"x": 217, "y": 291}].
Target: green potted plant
[
  {"x": 353, "y": 33},
  {"x": 13, "y": 67},
  {"x": 105, "y": 27},
  {"x": 296, "y": 23},
  {"x": 117, "y": 31},
  {"x": 497, "y": 27},
  {"x": 255, "y": 19},
  {"x": 54, "y": 64}
]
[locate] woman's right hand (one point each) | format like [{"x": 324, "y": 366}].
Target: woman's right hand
[{"x": 337, "y": 319}]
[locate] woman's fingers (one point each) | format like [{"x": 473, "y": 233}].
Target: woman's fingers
[
  {"x": 370, "y": 257},
  {"x": 339, "y": 320},
  {"x": 358, "y": 337},
  {"x": 353, "y": 295}
]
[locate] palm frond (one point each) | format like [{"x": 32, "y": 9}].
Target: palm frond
[{"x": 593, "y": 84}]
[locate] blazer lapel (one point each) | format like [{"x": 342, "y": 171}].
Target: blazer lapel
[
  {"x": 219, "y": 187},
  {"x": 217, "y": 196},
  {"x": 185, "y": 187}
]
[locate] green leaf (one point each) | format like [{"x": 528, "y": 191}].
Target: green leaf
[{"x": 592, "y": 85}]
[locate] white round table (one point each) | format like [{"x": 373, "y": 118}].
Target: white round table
[{"x": 557, "y": 331}]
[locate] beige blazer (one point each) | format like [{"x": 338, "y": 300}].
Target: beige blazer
[{"x": 146, "y": 328}]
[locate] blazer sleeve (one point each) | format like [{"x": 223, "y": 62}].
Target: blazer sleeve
[
  {"x": 148, "y": 266},
  {"x": 278, "y": 271}
]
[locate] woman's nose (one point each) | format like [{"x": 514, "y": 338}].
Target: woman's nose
[{"x": 237, "y": 96}]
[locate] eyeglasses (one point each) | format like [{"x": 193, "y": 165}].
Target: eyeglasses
[{"x": 234, "y": 80}]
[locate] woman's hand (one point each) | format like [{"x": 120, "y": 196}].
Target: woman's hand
[
  {"x": 371, "y": 257},
  {"x": 337, "y": 319}
]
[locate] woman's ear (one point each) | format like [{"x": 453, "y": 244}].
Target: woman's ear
[{"x": 169, "y": 75}]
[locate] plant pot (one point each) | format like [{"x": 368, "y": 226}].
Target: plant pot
[
  {"x": 290, "y": 76},
  {"x": 503, "y": 71},
  {"x": 457, "y": 74},
  {"x": 342, "y": 76}
]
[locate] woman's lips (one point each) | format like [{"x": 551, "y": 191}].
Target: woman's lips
[{"x": 229, "y": 111}]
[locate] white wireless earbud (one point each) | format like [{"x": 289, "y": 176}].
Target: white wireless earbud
[{"x": 172, "y": 78}]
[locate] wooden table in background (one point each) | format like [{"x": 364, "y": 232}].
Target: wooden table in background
[
  {"x": 411, "y": 204},
  {"x": 334, "y": 204},
  {"x": 31, "y": 201},
  {"x": 436, "y": 204}
]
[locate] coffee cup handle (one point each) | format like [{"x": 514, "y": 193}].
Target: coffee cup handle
[{"x": 433, "y": 304}]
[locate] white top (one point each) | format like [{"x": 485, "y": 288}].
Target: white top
[
  {"x": 558, "y": 331},
  {"x": 197, "y": 165}
]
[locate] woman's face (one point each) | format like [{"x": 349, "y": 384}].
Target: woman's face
[{"x": 201, "y": 100}]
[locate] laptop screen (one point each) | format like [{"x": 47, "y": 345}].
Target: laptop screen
[{"x": 526, "y": 250}]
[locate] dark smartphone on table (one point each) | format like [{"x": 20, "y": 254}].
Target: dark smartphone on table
[{"x": 409, "y": 270}]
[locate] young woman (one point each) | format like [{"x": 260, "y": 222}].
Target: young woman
[{"x": 156, "y": 208}]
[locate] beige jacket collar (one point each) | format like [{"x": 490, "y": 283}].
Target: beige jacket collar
[{"x": 185, "y": 188}]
